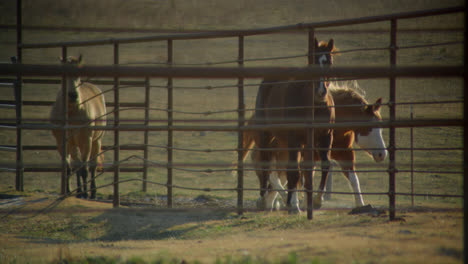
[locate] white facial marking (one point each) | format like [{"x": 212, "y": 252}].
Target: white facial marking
[
  {"x": 322, "y": 60},
  {"x": 322, "y": 89},
  {"x": 374, "y": 143}
]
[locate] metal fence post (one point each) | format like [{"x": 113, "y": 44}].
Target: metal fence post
[
  {"x": 169, "y": 124},
  {"x": 116, "y": 200},
  {"x": 64, "y": 176},
  {"x": 240, "y": 134},
  {"x": 310, "y": 147},
  {"x": 145, "y": 140},
  {"x": 19, "y": 184},
  {"x": 465, "y": 142},
  {"x": 412, "y": 156},
  {"x": 392, "y": 145}
]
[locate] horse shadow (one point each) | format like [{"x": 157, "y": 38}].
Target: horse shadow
[{"x": 153, "y": 224}]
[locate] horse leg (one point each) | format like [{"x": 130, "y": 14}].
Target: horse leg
[
  {"x": 329, "y": 186},
  {"x": 292, "y": 175},
  {"x": 58, "y": 137},
  {"x": 324, "y": 144},
  {"x": 262, "y": 180},
  {"x": 95, "y": 151},
  {"x": 354, "y": 182},
  {"x": 270, "y": 198},
  {"x": 281, "y": 178},
  {"x": 85, "y": 149},
  {"x": 76, "y": 167},
  {"x": 83, "y": 173},
  {"x": 69, "y": 172},
  {"x": 350, "y": 174},
  {"x": 277, "y": 184},
  {"x": 274, "y": 183},
  {"x": 263, "y": 158}
]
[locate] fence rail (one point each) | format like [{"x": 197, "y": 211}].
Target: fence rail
[
  {"x": 250, "y": 32},
  {"x": 305, "y": 73}
]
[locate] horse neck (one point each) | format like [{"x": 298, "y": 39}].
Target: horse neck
[{"x": 348, "y": 111}]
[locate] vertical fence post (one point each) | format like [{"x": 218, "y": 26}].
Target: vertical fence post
[
  {"x": 64, "y": 177},
  {"x": 19, "y": 102},
  {"x": 310, "y": 134},
  {"x": 392, "y": 106},
  {"x": 116, "y": 201},
  {"x": 240, "y": 133},
  {"x": 412, "y": 156},
  {"x": 169, "y": 124},
  {"x": 145, "y": 140},
  {"x": 465, "y": 141}
]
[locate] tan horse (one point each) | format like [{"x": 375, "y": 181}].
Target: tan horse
[
  {"x": 293, "y": 102},
  {"x": 350, "y": 106},
  {"x": 86, "y": 108}
]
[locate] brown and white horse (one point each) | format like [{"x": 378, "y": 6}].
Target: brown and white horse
[
  {"x": 350, "y": 106},
  {"x": 297, "y": 101},
  {"x": 86, "y": 108}
]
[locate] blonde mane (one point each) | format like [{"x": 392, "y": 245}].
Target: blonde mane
[{"x": 349, "y": 90}]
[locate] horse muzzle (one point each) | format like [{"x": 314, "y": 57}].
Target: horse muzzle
[
  {"x": 379, "y": 155},
  {"x": 321, "y": 92}
]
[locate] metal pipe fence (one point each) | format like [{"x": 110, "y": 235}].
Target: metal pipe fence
[{"x": 173, "y": 70}]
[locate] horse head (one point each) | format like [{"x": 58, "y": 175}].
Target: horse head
[
  {"x": 324, "y": 58},
  {"x": 369, "y": 138},
  {"x": 73, "y": 83}
]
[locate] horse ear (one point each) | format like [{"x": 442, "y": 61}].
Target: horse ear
[
  {"x": 61, "y": 59},
  {"x": 331, "y": 44},
  {"x": 377, "y": 105}
]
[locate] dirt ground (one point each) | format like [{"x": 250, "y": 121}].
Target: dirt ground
[{"x": 207, "y": 235}]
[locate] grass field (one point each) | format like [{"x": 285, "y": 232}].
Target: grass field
[{"x": 431, "y": 235}]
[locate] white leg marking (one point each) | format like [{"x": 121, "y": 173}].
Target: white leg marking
[
  {"x": 270, "y": 198},
  {"x": 329, "y": 185},
  {"x": 354, "y": 182},
  {"x": 295, "y": 202},
  {"x": 276, "y": 183}
]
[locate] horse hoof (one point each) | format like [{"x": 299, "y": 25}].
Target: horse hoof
[
  {"x": 276, "y": 206},
  {"x": 317, "y": 204}
]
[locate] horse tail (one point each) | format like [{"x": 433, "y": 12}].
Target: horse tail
[{"x": 248, "y": 143}]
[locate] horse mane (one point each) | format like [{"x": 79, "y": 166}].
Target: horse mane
[{"x": 346, "y": 92}]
